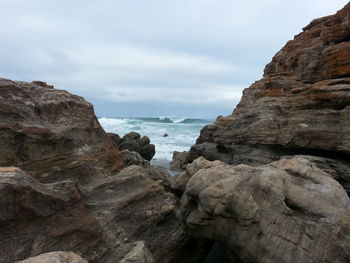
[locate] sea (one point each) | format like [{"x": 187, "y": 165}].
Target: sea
[{"x": 182, "y": 133}]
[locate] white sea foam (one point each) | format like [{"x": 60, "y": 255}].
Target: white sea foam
[{"x": 182, "y": 132}]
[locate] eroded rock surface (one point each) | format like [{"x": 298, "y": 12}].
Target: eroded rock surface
[
  {"x": 52, "y": 133},
  {"x": 101, "y": 221},
  {"x": 70, "y": 191},
  {"x": 287, "y": 211},
  {"x": 301, "y": 106}
]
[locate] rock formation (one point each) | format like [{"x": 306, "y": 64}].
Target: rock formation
[
  {"x": 278, "y": 191},
  {"x": 300, "y": 106},
  {"x": 275, "y": 187},
  {"x": 287, "y": 211},
  {"x": 70, "y": 191},
  {"x": 53, "y": 134},
  {"x": 133, "y": 142},
  {"x": 179, "y": 161}
]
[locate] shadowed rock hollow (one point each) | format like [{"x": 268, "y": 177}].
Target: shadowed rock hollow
[{"x": 286, "y": 211}]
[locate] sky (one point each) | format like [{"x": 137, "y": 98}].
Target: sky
[{"x": 183, "y": 58}]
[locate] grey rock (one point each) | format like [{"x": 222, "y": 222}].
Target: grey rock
[
  {"x": 287, "y": 211},
  {"x": 133, "y": 158},
  {"x": 133, "y": 142}
]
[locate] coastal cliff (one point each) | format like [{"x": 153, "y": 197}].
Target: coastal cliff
[
  {"x": 273, "y": 185},
  {"x": 300, "y": 106}
]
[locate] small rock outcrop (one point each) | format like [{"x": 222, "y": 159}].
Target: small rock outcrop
[
  {"x": 134, "y": 142},
  {"x": 300, "y": 106},
  {"x": 179, "y": 161},
  {"x": 287, "y": 211},
  {"x": 55, "y": 257},
  {"x": 133, "y": 158}
]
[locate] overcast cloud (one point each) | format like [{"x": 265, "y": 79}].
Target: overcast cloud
[{"x": 187, "y": 58}]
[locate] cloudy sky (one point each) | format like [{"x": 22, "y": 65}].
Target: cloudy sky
[{"x": 186, "y": 58}]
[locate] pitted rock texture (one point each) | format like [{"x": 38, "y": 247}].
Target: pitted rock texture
[
  {"x": 285, "y": 212},
  {"x": 301, "y": 106},
  {"x": 52, "y": 133},
  {"x": 36, "y": 218},
  {"x": 101, "y": 221}
]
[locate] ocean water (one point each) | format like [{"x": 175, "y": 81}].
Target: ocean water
[{"x": 182, "y": 132}]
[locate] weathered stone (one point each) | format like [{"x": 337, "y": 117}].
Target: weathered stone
[
  {"x": 72, "y": 193},
  {"x": 179, "y": 161},
  {"x": 52, "y": 133},
  {"x": 36, "y": 218},
  {"x": 55, "y": 257},
  {"x": 133, "y": 142},
  {"x": 139, "y": 254},
  {"x": 301, "y": 106},
  {"x": 287, "y": 211},
  {"x": 101, "y": 221},
  {"x": 133, "y": 158},
  {"x": 180, "y": 181}
]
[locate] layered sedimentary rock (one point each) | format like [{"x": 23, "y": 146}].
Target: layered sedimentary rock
[
  {"x": 300, "y": 106},
  {"x": 101, "y": 221},
  {"x": 287, "y": 211},
  {"x": 280, "y": 192},
  {"x": 70, "y": 192},
  {"x": 52, "y": 133}
]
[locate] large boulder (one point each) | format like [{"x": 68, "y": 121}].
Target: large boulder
[
  {"x": 300, "y": 106},
  {"x": 287, "y": 211},
  {"x": 52, "y": 133}
]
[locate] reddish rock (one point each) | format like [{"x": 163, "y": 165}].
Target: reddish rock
[
  {"x": 307, "y": 57},
  {"x": 52, "y": 133},
  {"x": 71, "y": 192},
  {"x": 300, "y": 106}
]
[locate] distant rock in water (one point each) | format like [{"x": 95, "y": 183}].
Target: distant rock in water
[
  {"x": 133, "y": 142},
  {"x": 165, "y": 135}
]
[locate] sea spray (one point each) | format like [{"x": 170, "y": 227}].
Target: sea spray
[{"x": 182, "y": 132}]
